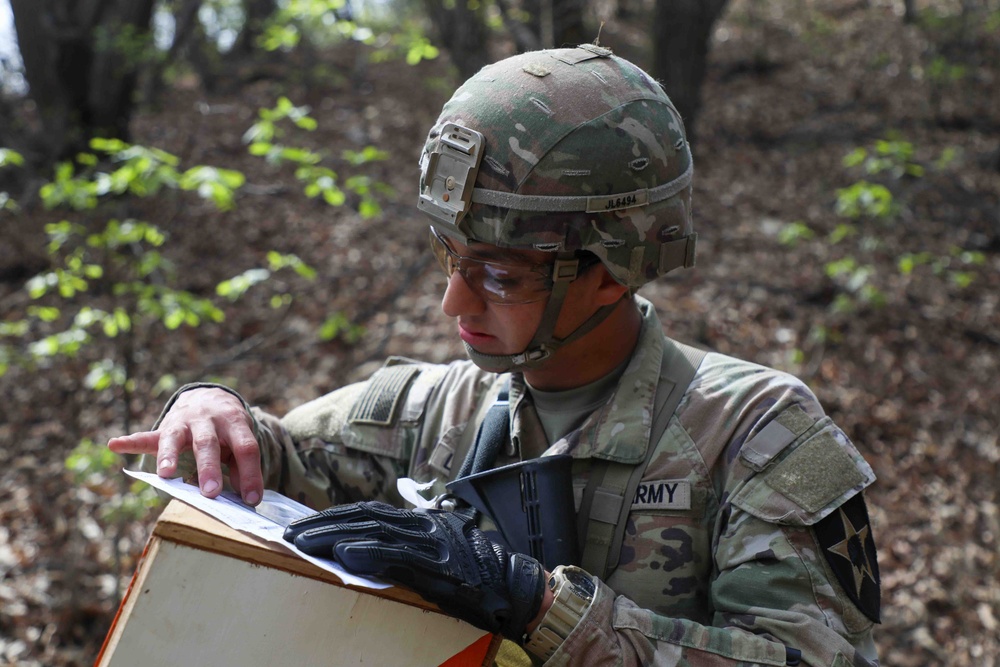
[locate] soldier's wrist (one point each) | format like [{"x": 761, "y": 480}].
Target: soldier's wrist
[{"x": 572, "y": 592}]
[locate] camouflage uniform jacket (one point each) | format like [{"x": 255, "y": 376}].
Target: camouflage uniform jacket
[{"x": 731, "y": 580}]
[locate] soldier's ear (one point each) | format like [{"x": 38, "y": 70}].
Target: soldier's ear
[{"x": 607, "y": 289}]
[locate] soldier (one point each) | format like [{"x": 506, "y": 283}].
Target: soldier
[{"x": 720, "y": 511}]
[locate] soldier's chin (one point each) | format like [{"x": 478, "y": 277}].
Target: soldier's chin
[{"x": 491, "y": 363}]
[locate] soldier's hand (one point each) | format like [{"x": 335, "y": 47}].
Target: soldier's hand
[
  {"x": 214, "y": 425},
  {"x": 441, "y": 555}
]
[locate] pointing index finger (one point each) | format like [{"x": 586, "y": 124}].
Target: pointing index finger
[{"x": 144, "y": 442}]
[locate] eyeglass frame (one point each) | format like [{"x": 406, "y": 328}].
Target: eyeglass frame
[{"x": 552, "y": 272}]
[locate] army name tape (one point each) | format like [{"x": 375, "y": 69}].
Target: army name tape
[{"x": 664, "y": 494}]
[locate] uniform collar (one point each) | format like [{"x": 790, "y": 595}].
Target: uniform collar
[{"x": 618, "y": 431}]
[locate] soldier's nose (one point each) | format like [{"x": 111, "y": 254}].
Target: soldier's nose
[{"x": 460, "y": 299}]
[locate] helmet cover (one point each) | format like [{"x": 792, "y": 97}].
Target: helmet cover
[{"x": 565, "y": 150}]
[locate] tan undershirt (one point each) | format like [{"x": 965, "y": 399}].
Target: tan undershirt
[{"x": 561, "y": 412}]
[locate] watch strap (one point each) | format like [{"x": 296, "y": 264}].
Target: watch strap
[{"x": 568, "y": 607}]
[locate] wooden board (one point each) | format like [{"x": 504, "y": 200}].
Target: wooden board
[{"x": 205, "y": 594}]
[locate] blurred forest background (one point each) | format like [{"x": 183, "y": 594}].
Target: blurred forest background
[{"x": 225, "y": 189}]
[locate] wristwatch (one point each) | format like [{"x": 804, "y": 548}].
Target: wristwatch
[{"x": 574, "y": 591}]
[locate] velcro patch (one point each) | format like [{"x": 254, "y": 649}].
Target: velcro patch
[
  {"x": 816, "y": 473},
  {"x": 442, "y": 457},
  {"x": 580, "y": 54},
  {"x": 537, "y": 69},
  {"x": 663, "y": 494},
  {"x": 771, "y": 440},
  {"x": 381, "y": 398}
]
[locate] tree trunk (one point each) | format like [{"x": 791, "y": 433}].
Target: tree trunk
[
  {"x": 558, "y": 23},
  {"x": 185, "y": 18},
  {"x": 462, "y": 31},
  {"x": 681, "y": 33},
  {"x": 80, "y": 59},
  {"x": 256, "y": 13}
]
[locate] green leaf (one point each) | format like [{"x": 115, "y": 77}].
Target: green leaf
[
  {"x": 299, "y": 155},
  {"x": 173, "y": 319},
  {"x": 794, "y": 232},
  {"x": 841, "y": 232},
  {"x": 260, "y": 148},
  {"x": 367, "y": 154},
  {"x": 337, "y": 325},
  {"x": 110, "y": 327},
  {"x": 91, "y": 461},
  {"x": 104, "y": 374},
  {"x": 66, "y": 343},
  {"x": 166, "y": 384},
  {"x": 212, "y": 183},
  {"x": 40, "y": 284},
  {"x": 9, "y": 157},
  {"x": 334, "y": 197},
  {"x": 840, "y": 267},
  {"x": 108, "y": 145},
  {"x": 7, "y": 203},
  {"x": 948, "y": 155},
  {"x": 280, "y": 300},
  {"x": 122, "y": 319},
  {"x": 962, "y": 279},
  {"x": 13, "y": 329},
  {"x": 855, "y": 157},
  {"x": 261, "y": 132},
  {"x": 237, "y": 286},
  {"x": 44, "y": 313},
  {"x": 843, "y": 304},
  {"x": 306, "y": 123}
]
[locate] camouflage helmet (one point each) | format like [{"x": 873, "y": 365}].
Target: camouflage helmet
[{"x": 564, "y": 150}]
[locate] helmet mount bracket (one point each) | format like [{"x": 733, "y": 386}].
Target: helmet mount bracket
[{"x": 448, "y": 174}]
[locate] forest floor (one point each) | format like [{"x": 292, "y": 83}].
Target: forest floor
[{"x": 904, "y": 358}]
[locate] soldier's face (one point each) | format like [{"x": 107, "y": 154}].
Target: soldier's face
[{"x": 502, "y": 329}]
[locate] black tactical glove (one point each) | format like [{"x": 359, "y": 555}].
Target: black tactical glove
[{"x": 439, "y": 554}]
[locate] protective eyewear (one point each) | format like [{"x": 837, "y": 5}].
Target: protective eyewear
[{"x": 495, "y": 281}]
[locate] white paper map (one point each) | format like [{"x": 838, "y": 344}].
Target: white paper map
[{"x": 266, "y": 521}]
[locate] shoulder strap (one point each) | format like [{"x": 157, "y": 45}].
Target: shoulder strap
[
  {"x": 494, "y": 433},
  {"x": 606, "y": 502}
]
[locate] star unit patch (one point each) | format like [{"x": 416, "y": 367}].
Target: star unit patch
[{"x": 845, "y": 538}]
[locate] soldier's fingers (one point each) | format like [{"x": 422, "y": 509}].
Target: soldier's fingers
[
  {"x": 363, "y": 511},
  {"x": 144, "y": 442},
  {"x": 320, "y": 541},
  {"x": 173, "y": 440},
  {"x": 390, "y": 560},
  {"x": 245, "y": 463},
  {"x": 207, "y": 456},
  {"x": 234, "y": 478}
]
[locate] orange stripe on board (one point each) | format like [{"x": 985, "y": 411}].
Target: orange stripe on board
[{"x": 473, "y": 655}]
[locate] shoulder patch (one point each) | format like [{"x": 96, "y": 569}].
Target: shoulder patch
[
  {"x": 380, "y": 401},
  {"x": 845, "y": 538}
]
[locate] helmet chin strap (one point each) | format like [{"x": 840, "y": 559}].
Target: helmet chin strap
[{"x": 544, "y": 343}]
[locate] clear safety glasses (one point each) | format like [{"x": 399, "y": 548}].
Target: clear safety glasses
[{"x": 495, "y": 281}]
